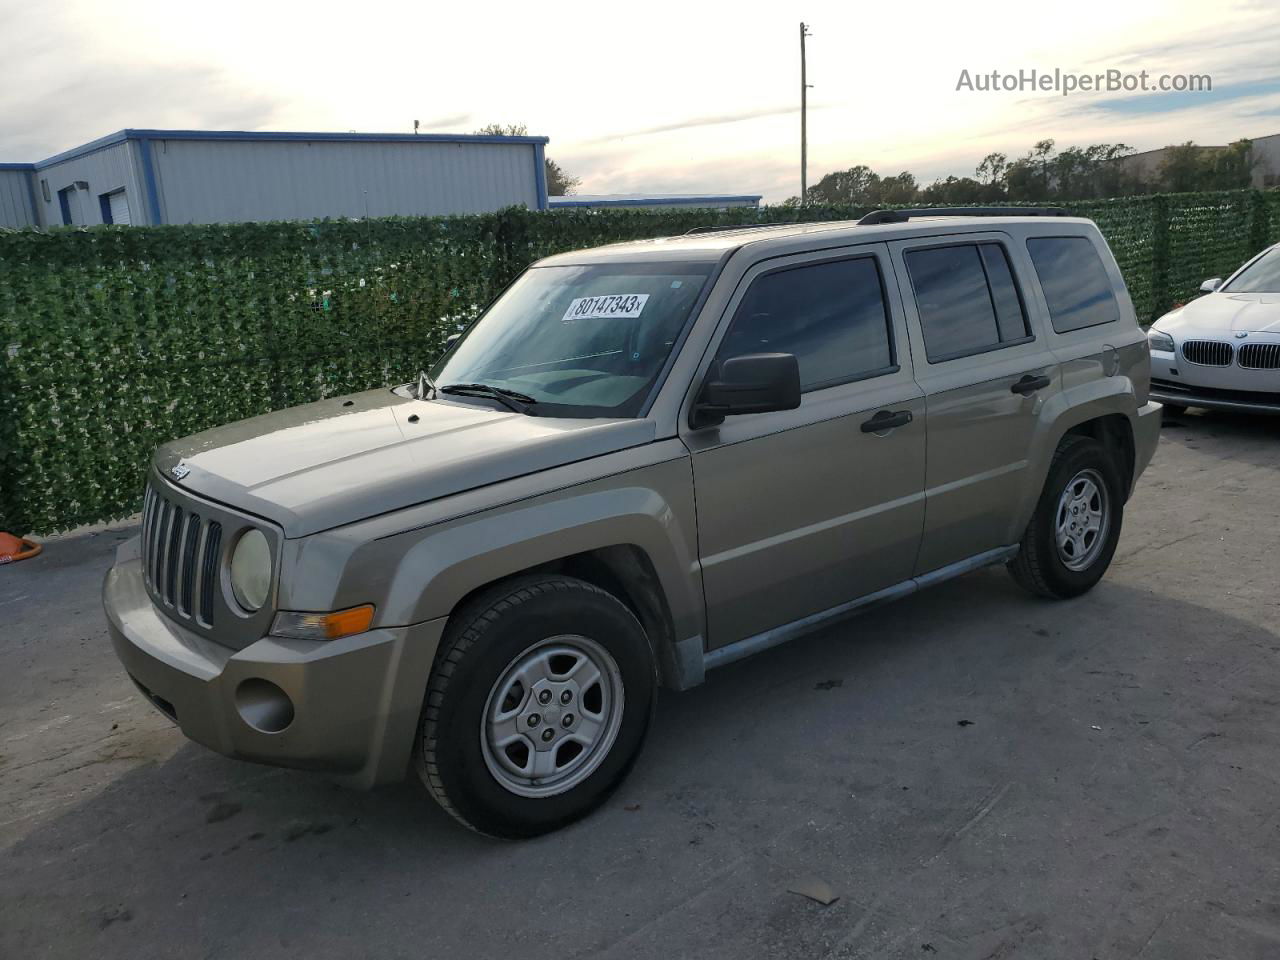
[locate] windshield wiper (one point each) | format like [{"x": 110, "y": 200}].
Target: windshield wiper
[
  {"x": 425, "y": 383},
  {"x": 512, "y": 399}
]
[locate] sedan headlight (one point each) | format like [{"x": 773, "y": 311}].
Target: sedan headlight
[
  {"x": 251, "y": 570},
  {"x": 1160, "y": 341}
]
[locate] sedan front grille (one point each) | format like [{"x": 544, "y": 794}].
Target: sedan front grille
[
  {"x": 1260, "y": 356},
  {"x": 180, "y": 556},
  {"x": 1207, "y": 353}
]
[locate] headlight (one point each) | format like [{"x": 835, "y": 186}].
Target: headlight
[
  {"x": 1160, "y": 341},
  {"x": 251, "y": 570}
]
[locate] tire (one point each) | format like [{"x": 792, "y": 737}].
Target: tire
[
  {"x": 1044, "y": 567},
  {"x": 502, "y": 652}
]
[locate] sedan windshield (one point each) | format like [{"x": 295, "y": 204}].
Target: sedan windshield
[
  {"x": 577, "y": 341},
  {"x": 1262, "y": 276}
]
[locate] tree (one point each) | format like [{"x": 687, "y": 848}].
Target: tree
[
  {"x": 559, "y": 183},
  {"x": 953, "y": 190},
  {"x": 1183, "y": 167},
  {"x": 1232, "y": 167}
]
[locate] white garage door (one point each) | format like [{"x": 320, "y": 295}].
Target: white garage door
[{"x": 119, "y": 207}]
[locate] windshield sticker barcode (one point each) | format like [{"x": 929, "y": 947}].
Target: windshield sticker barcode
[{"x": 626, "y": 306}]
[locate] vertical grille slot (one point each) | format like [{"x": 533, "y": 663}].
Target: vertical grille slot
[
  {"x": 1207, "y": 353},
  {"x": 174, "y": 537},
  {"x": 1260, "y": 356},
  {"x": 190, "y": 541},
  {"x": 209, "y": 571}
]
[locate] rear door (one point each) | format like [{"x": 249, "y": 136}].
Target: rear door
[
  {"x": 986, "y": 369},
  {"x": 802, "y": 510}
]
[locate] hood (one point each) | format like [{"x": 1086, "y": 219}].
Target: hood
[
  {"x": 1226, "y": 313},
  {"x": 336, "y": 461}
]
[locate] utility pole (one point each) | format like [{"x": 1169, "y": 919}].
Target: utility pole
[{"x": 804, "y": 118}]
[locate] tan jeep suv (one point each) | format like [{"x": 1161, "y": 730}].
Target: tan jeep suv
[{"x": 642, "y": 462}]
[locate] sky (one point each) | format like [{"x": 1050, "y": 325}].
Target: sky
[{"x": 688, "y": 97}]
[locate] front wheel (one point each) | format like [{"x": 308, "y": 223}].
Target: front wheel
[
  {"x": 1073, "y": 533},
  {"x": 537, "y": 707}
]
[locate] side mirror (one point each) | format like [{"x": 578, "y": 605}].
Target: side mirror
[
  {"x": 1211, "y": 285},
  {"x": 752, "y": 383}
]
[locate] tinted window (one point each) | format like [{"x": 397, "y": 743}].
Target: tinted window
[
  {"x": 832, "y": 316},
  {"x": 967, "y": 299},
  {"x": 1075, "y": 283},
  {"x": 1262, "y": 277}
]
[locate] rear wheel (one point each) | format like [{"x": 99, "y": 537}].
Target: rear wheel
[
  {"x": 537, "y": 707},
  {"x": 1073, "y": 533}
]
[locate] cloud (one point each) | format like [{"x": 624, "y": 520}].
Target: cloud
[
  {"x": 694, "y": 123},
  {"x": 449, "y": 124},
  {"x": 62, "y": 96}
]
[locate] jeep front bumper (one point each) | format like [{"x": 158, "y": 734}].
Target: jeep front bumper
[{"x": 347, "y": 707}]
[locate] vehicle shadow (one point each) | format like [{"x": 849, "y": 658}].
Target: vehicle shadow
[
  {"x": 1246, "y": 438},
  {"x": 955, "y": 763}
]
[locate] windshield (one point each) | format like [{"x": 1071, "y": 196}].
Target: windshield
[
  {"x": 1263, "y": 276},
  {"x": 580, "y": 341}
]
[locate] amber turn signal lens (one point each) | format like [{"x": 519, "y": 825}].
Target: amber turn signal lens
[{"x": 323, "y": 626}]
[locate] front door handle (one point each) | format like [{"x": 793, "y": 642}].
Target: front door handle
[
  {"x": 1030, "y": 384},
  {"x": 886, "y": 420}
]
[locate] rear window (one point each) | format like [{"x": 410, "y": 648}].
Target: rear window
[
  {"x": 967, "y": 299},
  {"x": 1075, "y": 283}
]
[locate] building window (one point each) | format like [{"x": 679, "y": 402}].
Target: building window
[{"x": 44, "y": 189}]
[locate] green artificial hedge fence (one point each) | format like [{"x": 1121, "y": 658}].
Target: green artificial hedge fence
[{"x": 119, "y": 338}]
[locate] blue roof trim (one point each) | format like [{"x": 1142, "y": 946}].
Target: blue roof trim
[
  {"x": 93, "y": 146},
  {"x": 339, "y": 137},
  {"x": 556, "y": 202},
  {"x": 17, "y": 166},
  {"x": 120, "y": 136}
]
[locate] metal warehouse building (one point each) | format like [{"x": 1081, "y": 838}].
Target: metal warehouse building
[
  {"x": 199, "y": 176},
  {"x": 655, "y": 201}
]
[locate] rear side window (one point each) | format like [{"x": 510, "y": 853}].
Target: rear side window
[
  {"x": 967, "y": 299},
  {"x": 831, "y": 316},
  {"x": 1075, "y": 283}
]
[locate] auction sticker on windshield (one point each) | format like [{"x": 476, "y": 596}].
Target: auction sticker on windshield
[{"x": 623, "y": 306}]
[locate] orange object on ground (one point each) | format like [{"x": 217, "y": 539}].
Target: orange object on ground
[{"x": 16, "y": 548}]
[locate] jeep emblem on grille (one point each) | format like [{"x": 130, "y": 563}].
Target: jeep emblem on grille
[{"x": 179, "y": 471}]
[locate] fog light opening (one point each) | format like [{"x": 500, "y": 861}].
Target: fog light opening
[{"x": 263, "y": 705}]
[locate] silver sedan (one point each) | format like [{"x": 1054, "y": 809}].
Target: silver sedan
[{"x": 1222, "y": 351}]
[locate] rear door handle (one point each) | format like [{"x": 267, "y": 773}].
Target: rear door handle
[
  {"x": 886, "y": 420},
  {"x": 1030, "y": 384}
]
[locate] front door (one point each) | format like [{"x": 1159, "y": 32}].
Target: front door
[
  {"x": 987, "y": 370},
  {"x": 802, "y": 510}
]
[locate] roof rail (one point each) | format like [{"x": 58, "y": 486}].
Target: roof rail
[
  {"x": 902, "y": 216},
  {"x": 717, "y": 228}
]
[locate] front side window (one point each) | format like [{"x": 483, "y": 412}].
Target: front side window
[
  {"x": 967, "y": 299},
  {"x": 1261, "y": 276},
  {"x": 1075, "y": 283},
  {"x": 581, "y": 341},
  {"x": 831, "y": 316}
]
